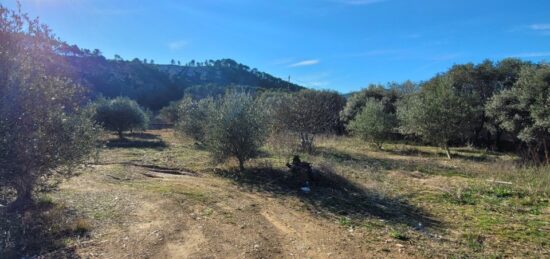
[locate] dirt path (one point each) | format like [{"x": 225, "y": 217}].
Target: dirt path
[{"x": 202, "y": 217}]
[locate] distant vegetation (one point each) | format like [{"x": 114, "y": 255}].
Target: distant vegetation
[{"x": 154, "y": 86}]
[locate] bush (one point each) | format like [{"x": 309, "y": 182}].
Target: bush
[
  {"x": 169, "y": 113},
  {"x": 120, "y": 114},
  {"x": 373, "y": 123},
  {"x": 236, "y": 128},
  {"x": 193, "y": 117}
]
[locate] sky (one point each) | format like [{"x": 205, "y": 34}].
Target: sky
[{"x": 342, "y": 45}]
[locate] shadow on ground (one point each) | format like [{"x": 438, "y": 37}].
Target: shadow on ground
[
  {"x": 332, "y": 194},
  {"x": 376, "y": 164},
  {"x": 138, "y": 140},
  {"x": 39, "y": 232},
  {"x": 459, "y": 153}
]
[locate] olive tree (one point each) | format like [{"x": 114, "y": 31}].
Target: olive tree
[
  {"x": 524, "y": 110},
  {"x": 373, "y": 124},
  {"x": 272, "y": 103},
  {"x": 120, "y": 114},
  {"x": 438, "y": 113},
  {"x": 169, "y": 113},
  {"x": 236, "y": 128},
  {"x": 43, "y": 127},
  {"x": 193, "y": 117},
  {"x": 357, "y": 101},
  {"x": 311, "y": 112}
]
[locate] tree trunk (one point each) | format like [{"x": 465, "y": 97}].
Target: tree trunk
[
  {"x": 24, "y": 196},
  {"x": 241, "y": 164},
  {"x": 306, "y": 142},
  {"x": 546, "y": 156},
  {"x": 448, "y": 152},
  {"x": 497, "y": 140}
]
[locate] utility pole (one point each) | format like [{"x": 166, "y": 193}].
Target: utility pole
[{"x": 288, "y": 87}]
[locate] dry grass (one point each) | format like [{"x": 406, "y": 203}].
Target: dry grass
[{"x": 401, "y": 201}]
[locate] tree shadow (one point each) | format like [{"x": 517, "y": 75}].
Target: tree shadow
[
  {"x": 142, "y": 135},
  {"x": 40, "y": 232},
  {"x": 377, "y": 164},
  {"x": 473, "y": 157},
  {"x": 332, "y": 194},
  {"x": 411, "y": 152},
  {"x": 138, "y": 140}
]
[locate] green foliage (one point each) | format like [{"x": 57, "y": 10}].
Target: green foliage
[
  {"x": 120, "y": 114},
  {"x": 155, "y": 86},
  {"x": 388, "y": 97},
  {"x": 399, "y": 235},
  {"x": 373, "y": 123},
  {"x": 438, "y": 114},
  {"x": 236, "y": 128},
  {"x": 193, "y": 117},
  {"x": 310, "y": 112},
  {"x": 42, "y": 126},
  {"x": 273, "y": 105},
  {"x": 524, "y": 110},
  {"x": 170, "y": 113}
]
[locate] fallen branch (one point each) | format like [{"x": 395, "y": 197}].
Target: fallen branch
[
  {"x": 501, "y": 182},
  {"x": 155, "y": 168},
  {"x": 151, "y": 175}
]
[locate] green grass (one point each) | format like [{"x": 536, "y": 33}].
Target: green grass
[{"x": 399, "y": 235}]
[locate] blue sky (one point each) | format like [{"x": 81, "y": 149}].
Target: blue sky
[{"x": 325, "y": 44}]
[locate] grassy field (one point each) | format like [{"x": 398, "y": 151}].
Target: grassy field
[{"x": 158, "y": 195}]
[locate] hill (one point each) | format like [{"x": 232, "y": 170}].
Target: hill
[{"x": 154, "y": 86}]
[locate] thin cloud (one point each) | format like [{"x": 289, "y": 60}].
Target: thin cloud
[
  {"x": 304, "y": 63},
  {"x": 282, "y": 61},
  {"x": 317, "y": 84},
  {"x": 540, "y": 27},
  {"x": 177, "y": 45},
  {"x": 532, "y": 54},
  {"x": 537, "y": 28}
]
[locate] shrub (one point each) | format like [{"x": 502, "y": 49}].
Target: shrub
[
  {"x": 120, "y": 114},
  {"x": 373, "y": 123},
  {"x": 169, "y": 113},
  {"x": 193, "y": 117},
  {"x": 236, "y": 128}
]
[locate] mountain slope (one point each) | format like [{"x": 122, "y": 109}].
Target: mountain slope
[{"x": 154, "y": 86}]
